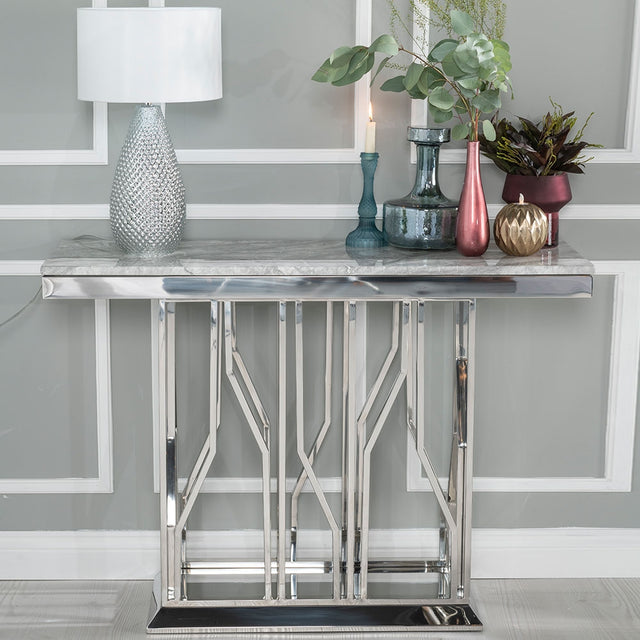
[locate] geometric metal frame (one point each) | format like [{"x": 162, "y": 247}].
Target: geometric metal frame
[{"x": 349, "y": 564}]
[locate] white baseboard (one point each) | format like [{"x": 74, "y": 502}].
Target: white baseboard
[{"x": 497, "y": 553}]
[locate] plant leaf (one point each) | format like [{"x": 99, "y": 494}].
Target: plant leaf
[
  {"x": 413, "y": 75},
  {"x": 466, "y": 57},
  {"x": 429, "y": 79},
  {"x": 393, "y": 84},
  {"x": 384, "y": 44},
  {"x": 461, "y": 22},
  {"x": 451, "y": 68},
  {"x": 359, "y": 59},
  {"x": 461, "y": 131},
  {"x": 487, "y": 101},
  {"x": 439, "y": 115},
  {"x": 323, "y": 74},
  {"x": 470, "y": 82},
  {"x": 352, "y": 76},
  {"x": 381, "y": 66},
  {"x": 442, "y": 49},
  {"x": 488, "y": 130},
  {"x": 441, "y": 99},
  {"x": 339, "y": 52}
]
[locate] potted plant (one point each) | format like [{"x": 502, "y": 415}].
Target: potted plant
[
  {"x": 461, "y": 76},
  {"x": 537, "y": 158}
]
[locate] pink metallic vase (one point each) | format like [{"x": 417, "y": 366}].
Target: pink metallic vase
[
  {"x": 550, "y": 193},
  {"x": 472, "y": 227}
]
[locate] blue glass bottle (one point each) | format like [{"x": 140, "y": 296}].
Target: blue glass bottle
[{"x": 425, "y": 218}]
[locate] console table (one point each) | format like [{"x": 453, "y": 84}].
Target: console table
[{"x": 288, "y": 276}]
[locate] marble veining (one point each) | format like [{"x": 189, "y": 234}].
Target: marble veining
[{"x": 90, "y": 256}]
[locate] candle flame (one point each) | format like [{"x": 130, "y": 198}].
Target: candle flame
[{"x": 370, "y": 112}]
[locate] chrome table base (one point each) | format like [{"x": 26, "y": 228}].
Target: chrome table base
[{"x": 348, "y": 606}]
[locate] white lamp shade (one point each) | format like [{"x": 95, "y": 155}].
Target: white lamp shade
[{"x": 149, "y": 54}]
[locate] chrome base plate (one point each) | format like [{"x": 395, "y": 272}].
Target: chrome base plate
[{"x": 407, "y": 619}]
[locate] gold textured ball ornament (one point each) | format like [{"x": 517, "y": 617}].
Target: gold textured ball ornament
[{"x": 521, "y": 228}]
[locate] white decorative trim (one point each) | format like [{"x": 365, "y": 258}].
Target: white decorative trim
[
  {"x": 621, "y": 409},
  {"x": 97, "y": 154},
  {"x": 630, "y": 153},
  {"x": 20, "y": 267},
  {"x": 364, "y": 12},
  {"x": 497, "y": 553},
  {"x": 103, "y": 483},
  {"x": 283, "y": 211}
]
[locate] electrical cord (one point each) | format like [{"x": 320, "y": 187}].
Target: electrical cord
[{"x": 23, "y": 309}]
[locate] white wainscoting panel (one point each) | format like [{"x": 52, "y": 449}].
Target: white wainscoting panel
[
  {"x": 97, "y": 154},
  {"x": 364, "y": 12},
  {"x": 621, "y": 410},
  {"x": 630, "y": 153},
  {"x": 103, "y": 483}
]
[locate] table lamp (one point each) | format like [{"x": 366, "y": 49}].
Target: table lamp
[{"x": 149, "y": 55}]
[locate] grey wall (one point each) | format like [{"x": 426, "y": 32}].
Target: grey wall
[{"x": 544, "y": 366}]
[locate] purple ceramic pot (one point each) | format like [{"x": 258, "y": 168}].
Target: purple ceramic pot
[{"x": 550, "y": 193}]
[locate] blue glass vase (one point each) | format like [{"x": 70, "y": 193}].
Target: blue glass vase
[{"x": 425, "y": 218}]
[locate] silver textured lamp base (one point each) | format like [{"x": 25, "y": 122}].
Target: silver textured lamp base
[{"x": 147, "y": 206}]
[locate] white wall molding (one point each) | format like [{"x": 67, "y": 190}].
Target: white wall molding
[
  {"x": 283, "y": 211},
  {"x": 629, "y": 153},
  {"x": 97, "y": 154},
  {"x": 364, "y": 13},
  {"x": 497, "y": 553},
  {"x": 103, "y": 482},
  {"x": 621, "y": 407}
]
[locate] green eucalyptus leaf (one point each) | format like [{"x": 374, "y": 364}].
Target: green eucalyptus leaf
[
  {"x": 354, "y": 75},
  {"x": 413, "y": 75},
  {"x": 451, "y": 68},
  {"x": 470, "y": 82},
  {"x": 381, "y": 66},
  {"x": 500, "y": 43},
  {"x": 488, "y": 130},
  {"x": 487, "y": 101},
  {"x": 339, "y": 52},
  {"x": 384, "y": 44},
  {"x": 324, "y": 73},
  {"x": 467, "y": 93},
  {"x": 359, "y": 59},
  {"x": 461, "y": 22},
  {"x": 439, "y": 116},
  {"x": 460, "y": 107},
  {"x": 393, "y": 84},
  {"x": 429, "y": 79},
  {"x": 442, "y": 49},
  {"x": 461, "y": 131},
  {"x": 441, "y": 99},
  {"x": 467, "y": 59},
  {"x": 416, "y": 93}
]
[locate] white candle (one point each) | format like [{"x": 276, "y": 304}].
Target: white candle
[{"x": 370, "y": 137}]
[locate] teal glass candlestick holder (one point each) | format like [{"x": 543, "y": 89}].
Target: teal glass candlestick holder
[{"x": 366, "y": 235}]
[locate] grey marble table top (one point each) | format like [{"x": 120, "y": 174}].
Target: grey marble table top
[{"x": 90, "y": 256}]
